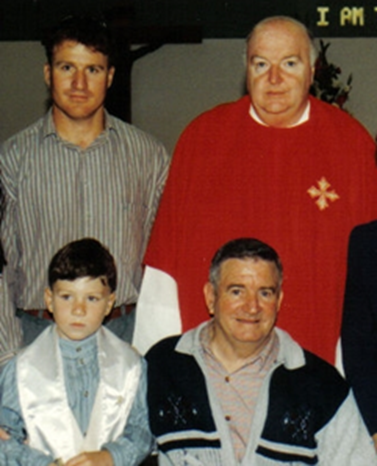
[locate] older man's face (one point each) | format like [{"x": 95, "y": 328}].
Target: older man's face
[
  {"x": 244, "y": 304},
  {"x": 279, "y": 72}
]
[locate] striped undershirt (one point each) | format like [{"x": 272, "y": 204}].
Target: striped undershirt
[{"x": 237, "y": 392}]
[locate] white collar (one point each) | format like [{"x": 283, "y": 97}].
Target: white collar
[{"x": 304, "y": 117}]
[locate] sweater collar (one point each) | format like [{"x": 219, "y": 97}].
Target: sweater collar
[{"x": 291, "y": 355}]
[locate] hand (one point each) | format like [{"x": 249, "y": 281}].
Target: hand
[
  {"x": 94, "y": 458},
  {"x": 4, "y": 435},
  {"x": 374, "y": 437}
]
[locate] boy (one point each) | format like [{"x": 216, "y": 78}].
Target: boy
[{"x": 77, "y": 393}]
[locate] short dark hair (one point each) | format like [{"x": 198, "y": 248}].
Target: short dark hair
[
  {"x": 243, "y": 248},
  {"x": 87, "y": 30},
  {"x": 86, "y": 257}
]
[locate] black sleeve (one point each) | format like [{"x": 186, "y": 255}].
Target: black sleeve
[{"x": 359, "y": 325}]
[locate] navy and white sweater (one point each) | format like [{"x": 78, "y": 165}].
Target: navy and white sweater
[{"x": 306, "y": 413}]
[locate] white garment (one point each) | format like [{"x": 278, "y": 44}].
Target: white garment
[
  {"x": 157, "y": 310},
  {"x": 50, "y": 423}
]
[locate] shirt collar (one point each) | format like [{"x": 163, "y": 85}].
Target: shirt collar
[
  {"x": 109, "y": 121},
  {"x": 304, "y": 117},
  {"x": 290, "y": 353},
  {"x": 49, "y": 129},
  {"x": 258, "y": 361},
  {"x": 48, "y": 126},
  {"x": 72, "y": 349}
]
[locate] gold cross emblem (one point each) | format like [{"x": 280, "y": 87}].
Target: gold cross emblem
[{"x": 323, "y": 193}]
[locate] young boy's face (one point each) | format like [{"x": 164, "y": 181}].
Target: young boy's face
[{"x": 79, "y": 306}]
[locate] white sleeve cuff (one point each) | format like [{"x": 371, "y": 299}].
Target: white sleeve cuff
[{"x": 157, "y": 310}]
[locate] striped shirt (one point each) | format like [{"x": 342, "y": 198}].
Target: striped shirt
[
  {"x": 238, "y": 391},
  {"x": 57, "y": 192}
]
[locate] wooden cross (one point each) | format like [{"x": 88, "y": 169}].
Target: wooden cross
[{"x": 127, "y": 34}]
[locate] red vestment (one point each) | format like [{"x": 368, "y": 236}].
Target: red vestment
[{"x": 299, "y": 189}]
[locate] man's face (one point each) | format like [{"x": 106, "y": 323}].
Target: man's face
[
  {"x": 78, "y": 80},
  {"x": 279, "y": 72},
  {"x": 79, "y": 306},
  {"x": 245, "y": 304}
]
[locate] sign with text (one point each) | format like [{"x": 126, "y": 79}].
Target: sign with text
[
  {"x": 25, "y": 19},
  {"x": 345, "y": 19}
]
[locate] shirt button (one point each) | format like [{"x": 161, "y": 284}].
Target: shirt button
[
  {"x": 227, "y": 379},
  {"x": 228, "y": 418},
  {"x": 86, "y": 393},
  {"x": 78, "y": 349}
]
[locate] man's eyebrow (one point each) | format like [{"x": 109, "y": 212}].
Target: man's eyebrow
[
  {"x": 100, "y": 67},
  {"x": 292, "y": 56},
  {"x": 59, "y": 62},
  {"x": 235, "y": 285},
  {"x": 253, "y": 57},
  {"x": 90, "y": 65},
  {"x": 272, "y": 288},
  {"x": 260, "y": 57}
]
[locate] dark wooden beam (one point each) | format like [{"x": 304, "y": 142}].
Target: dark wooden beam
[{"x": 151, "y": 38}]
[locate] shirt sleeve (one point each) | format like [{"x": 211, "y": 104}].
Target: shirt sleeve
[
  {"x": 10, "y": 330},
  {"x": 359, "y": 325},
  {"x": 345, "y": 439},
  {"x": 137, "y": 441},
  {"x": 156, "y": 182},
  {"x": 157, "y": 310},
  {"x": 14, "y": 450}
]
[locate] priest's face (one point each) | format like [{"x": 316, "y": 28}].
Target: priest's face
[
  {"x": 279, "y": 72},
  {"x": 79, "y": 306}
]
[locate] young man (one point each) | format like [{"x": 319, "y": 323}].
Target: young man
[
  {"x": 76, "y": 395},
  {"x": 279, "y": 165},
  {"x": 238, "y": 391},
  {"x": 76, "y": 172}
]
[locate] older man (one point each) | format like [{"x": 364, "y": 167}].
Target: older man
[
  {"x": 76, "y": 172},
  {"x": 238, "y": 391},
  {"x": 276, "y": 164}
]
